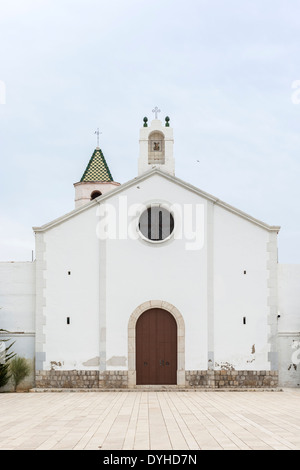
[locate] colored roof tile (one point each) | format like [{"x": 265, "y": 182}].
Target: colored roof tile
[{"x": 97, "y": 168}]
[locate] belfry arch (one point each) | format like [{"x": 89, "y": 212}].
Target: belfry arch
[{"x": 156, "y": 148}]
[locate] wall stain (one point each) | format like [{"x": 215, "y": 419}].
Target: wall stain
[
  {"x": 94, "y": 361},
  {"x": 117, "y": 361}
]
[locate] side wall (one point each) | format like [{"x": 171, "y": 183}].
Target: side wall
[
  {"x": 68, "y": 307},
  {"x": 244, "y": 262}
]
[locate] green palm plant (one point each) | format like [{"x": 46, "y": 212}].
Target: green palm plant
[{"x": 19, "y": 369}]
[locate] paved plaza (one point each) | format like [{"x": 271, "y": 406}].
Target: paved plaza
[{"x": 150, "y": 420}]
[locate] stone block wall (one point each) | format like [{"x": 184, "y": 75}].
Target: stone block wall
[
  {"x": 231, "y": 379},
  {"x": 113, "y": 379},
  {"x": 67, "y": 379},
  {"x": 81, "y": 379}
]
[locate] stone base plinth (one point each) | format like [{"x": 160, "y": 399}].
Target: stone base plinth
[
  {"x": 116, "y": 379},
  {"x": 113, "y": 379},
  {"x": 67, "y": 379},
  {"x": 231, "y": 378}
]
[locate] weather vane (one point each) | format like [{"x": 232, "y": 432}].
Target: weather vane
[
  {"x": 156, "y": 111},
  {"x": 98, "y": 134}
]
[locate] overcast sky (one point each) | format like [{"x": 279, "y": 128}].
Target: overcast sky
[{"x": 223, "y": 71}]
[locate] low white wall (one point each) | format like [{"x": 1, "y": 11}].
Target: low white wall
[
  {"x": 289, "y": 324},
  {"x": 17, "y": 311}
]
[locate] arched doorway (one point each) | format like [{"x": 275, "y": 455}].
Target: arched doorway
[{"x": 156, "y": 348}]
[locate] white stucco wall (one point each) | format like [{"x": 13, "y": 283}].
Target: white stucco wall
[
  {"x": 138, "y": 271},
  {"x": 111, "y": 278},
  {"x": 72, "y": 247},
  {"x": 289, "y": 324},
  {"x": 240, "y": 246}
]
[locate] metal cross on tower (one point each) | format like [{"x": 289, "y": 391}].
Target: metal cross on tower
[
  {"x": 156, "y": 111},
  {"x": 98, "y": 134}
]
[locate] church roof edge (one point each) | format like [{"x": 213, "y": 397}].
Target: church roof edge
[{"x": 175, "y": 179}]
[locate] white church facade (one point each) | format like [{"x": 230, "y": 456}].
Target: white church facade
[{"x": 153, "y": 283}]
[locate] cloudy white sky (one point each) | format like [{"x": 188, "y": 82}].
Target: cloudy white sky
[{"x": 222, "y": 70}]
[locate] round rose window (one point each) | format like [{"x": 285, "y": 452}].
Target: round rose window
[{"x": 156, "y": 223}]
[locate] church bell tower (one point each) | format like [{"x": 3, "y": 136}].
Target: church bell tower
[
  {"x": 156, "y": 146},
  {"x": 95, "y": 181}
]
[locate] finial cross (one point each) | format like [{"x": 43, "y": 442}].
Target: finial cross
[
  {"x": 98, "y": 134},
  {"x": 156, "y": 111}
]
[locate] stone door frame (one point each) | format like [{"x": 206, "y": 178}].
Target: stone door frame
[{"x": 180, "y": 339}]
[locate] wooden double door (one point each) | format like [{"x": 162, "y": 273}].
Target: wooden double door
[{"x": 156, "y": 348}]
